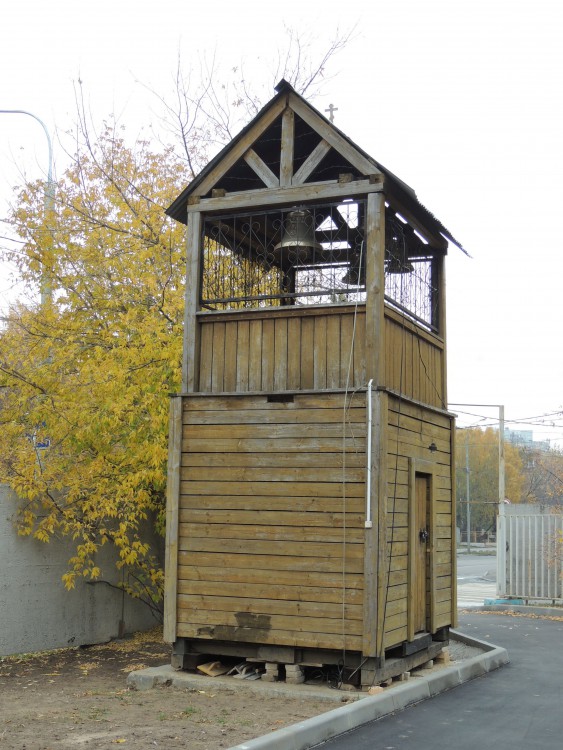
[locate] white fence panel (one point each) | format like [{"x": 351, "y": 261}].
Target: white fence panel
[{"x": 526, "y": 568}]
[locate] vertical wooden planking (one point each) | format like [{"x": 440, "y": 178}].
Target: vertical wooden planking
[
  {"x": 440, "y": 394},
  {"x": 389, "y": 354},
  {"x": 206, "y": 357},
  {"x": 243, "y": 355},
  {"x": 423, "y": 367},
  {"x": 294, "y": 354},
  {"x": 333, "y": 353},
  {"x": 407, "y": 369},
  {"x": 359, "y": 369},
  {"x": 307, "y": 358},
  {"x": 280, "y": 354},
  {"x": 346, "y": 349},
  {"x": 218, "y": 364},
  {"x": 268, "y": 351},
  {"x": 172, "y": 503},
  {"x": 231, "y": 347},
  {"x": 319, "y": 356},
  {"x": 255, "y": 356},
  {"x": 399, "y": 354}
]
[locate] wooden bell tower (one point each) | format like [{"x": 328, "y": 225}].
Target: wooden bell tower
[{"x": 310, "y": 495}]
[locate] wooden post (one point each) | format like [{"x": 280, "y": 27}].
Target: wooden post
[
  {"x": 286, "y": 165},
  {"x": 381, "y": 429},
  {"x": 454, "y": 528},
  {"x": 172, "y": 513},
  {"x": 374, "y": 256},
  {"x": 374, "y": 560},
  {"x": 440, "y": 267},
  {"x": 190, "y": 358}
]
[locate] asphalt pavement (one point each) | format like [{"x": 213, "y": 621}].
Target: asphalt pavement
[{"x": 518, "y": 706}]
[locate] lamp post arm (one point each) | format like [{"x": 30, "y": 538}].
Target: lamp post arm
[{"x": 49, "y": 192}]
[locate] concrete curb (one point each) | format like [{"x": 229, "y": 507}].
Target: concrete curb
[
  {"x": 307, "y": 734},
  {"x": 311, "y": 732},
  {"x": 534, "y": 609}
]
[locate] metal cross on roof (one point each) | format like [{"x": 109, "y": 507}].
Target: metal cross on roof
[{"x": 331, "y": 110}]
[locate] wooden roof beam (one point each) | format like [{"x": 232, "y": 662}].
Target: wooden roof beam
[
  {"x": 311, "y": 162},
  {"x": 240, "y": 147},
  {"x": 261, "y": 169},
  {"x": 287, "y": 145},
  {"x": 280, "y": 196}
]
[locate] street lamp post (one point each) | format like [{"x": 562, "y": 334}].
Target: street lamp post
[{"x": 49, "y": 192}]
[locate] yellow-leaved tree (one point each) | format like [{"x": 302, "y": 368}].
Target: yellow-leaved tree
[{"x": 85, "y": 377}]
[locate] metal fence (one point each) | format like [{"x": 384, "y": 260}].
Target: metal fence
[{"x": 529, "y": 559}]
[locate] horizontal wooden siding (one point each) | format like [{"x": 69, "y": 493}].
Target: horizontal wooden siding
[{"x": 271, "y": 539}]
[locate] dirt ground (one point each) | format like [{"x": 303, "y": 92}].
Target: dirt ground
[{"x": 78, "y": 698}]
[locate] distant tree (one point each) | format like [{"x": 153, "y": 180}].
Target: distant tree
[{"x": 481, "y": 447}]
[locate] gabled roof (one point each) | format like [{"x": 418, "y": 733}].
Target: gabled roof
[{"x": 252, "y": 161}]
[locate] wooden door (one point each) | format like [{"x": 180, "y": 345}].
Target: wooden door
[{"x": 420, "y": 582}]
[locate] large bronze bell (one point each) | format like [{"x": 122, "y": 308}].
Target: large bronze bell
[{"x": 298, "y": 245}]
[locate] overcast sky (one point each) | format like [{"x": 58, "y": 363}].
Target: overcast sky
[{"x": 461, "y": 99}]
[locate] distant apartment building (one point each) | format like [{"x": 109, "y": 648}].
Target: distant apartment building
[{"x": 525, "y": 439}]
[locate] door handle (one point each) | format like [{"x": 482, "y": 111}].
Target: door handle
[{"x": 423, "y": 535}]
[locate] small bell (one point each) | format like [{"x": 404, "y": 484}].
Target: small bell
[
  {"x": 298, "y": 244},
  {"x": 397, "y": 260},
  {"x": 356, "y": 273}
]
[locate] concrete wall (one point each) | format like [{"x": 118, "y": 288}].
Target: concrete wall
[{"x": 38, "y": 613}]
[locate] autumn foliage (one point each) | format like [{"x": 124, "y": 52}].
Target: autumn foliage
[{"x": 85, "y": 378}]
